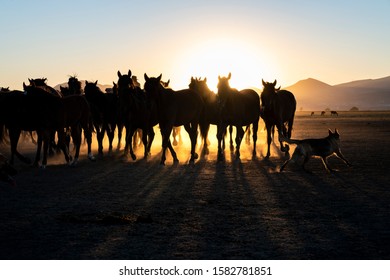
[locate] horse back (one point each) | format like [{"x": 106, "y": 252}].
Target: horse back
[
  {"x": 180, "y": 107},
  {"x": 242, "y": 108}
]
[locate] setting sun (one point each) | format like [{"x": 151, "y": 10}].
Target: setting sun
[{"x": 219, "y": 57}]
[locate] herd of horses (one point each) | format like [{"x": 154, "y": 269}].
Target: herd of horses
[{"x": 74, "y": 111}]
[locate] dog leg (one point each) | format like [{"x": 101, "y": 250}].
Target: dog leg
[
  {"x": 341, "y": 156},
  {"x": 284, "y": 164},
  {"x": 325, "y": 162}
]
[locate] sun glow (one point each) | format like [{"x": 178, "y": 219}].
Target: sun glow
[{"x": 215, "y": 58}]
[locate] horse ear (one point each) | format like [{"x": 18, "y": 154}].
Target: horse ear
[
  {"x": 119, "y": 74},
  {"x": 277, "y": 89},
  {"x": 24, "y": 86},
  {"x": 146, "y": 77},
  {"x": 159, "y": 78},
  {"x": 168, "y": 82},
  {"x": 129, "y": 73},
  {"x": 229, "y": 76},
  {"x": 262, "y": 81},
  {"x": 205, "y": 80},
  {"x": 219, "y": 77},
  {"x": 330, "y": 131},
  {"x": 30, "y": 80},
  {"x": 96, "y": 82},
  {"x": 274, "y": 83}
]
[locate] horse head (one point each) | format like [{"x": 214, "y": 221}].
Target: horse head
[
  {"x": 152, "y": 85},
  {"x": 74, "y": 86},
  {"x": 268, "y": 94},
  {"x": 125, "y": 80},
  {"x": 64, "y": 91},
  {"x": 200, "y": 86},
  {"x": 41, "y": 82},
  {"x": 165, "y": 84},
  {"x": 223, "y": 84}
]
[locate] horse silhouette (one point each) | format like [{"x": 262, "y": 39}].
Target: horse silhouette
[
  {"x": 175, "y": 108},
  {"x": 237, "y": 108},
  {"x": 32, "y": 110},
  {"x": 74, "y": 113},
  {"x": 278, "y": 108},
  {"x": 136, "y": 112},
  {"x": 104, "y": 113}
]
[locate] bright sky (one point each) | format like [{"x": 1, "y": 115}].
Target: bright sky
[{"x": 287, "y": 40}]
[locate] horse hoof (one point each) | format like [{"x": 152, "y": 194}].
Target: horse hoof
[
  {"x": 43, "y": 166},
  {"x": 91, "y": 157},
  {"x": 196, "y": 156},
  {"x": 133, "y": 157}
]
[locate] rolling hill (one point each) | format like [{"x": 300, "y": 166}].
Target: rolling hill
[{"x": 372, "y": 94}]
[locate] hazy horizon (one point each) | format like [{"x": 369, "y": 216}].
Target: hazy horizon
[{"x": 332, "y": 41}]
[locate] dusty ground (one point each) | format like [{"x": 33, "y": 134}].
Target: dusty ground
[{"x": 115, "y": 208}]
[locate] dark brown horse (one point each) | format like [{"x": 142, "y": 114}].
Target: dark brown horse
[
  {"x": 38, "y": 111},
  {"x": 136, "y": 112},
  {"x": 73, "y": 112},
  {"x": 210, "y": 114},
  {"x": 104, "y": 113},
  {"x": 175, "y": 108},
  {"x": 237, "y": 108},
  {"x": 278, "y": 109}
]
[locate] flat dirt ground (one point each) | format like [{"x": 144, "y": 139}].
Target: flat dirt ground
[{"x": 116, "y": 208}]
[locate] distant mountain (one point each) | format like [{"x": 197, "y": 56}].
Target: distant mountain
[
  {"x": 372, "y": 94},
  {"x": 102, "y": 87}
]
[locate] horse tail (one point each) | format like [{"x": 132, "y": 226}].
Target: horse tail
[{"x": 204, "y": 128}]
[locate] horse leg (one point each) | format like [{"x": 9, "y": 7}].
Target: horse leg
[
  {"x": 282, "y": 131},
  {"x": 129, "y": 137},
  {"x": 231, "y": 137},
  {"x": 38, "y": 152},
  {"x": 76, "y": 136},
  {"x": 239, "y": 135},
  {"x": 100, "y": 136},
  {"x": 145, "y": 142},
  {"x": 221, "y": 131},
  {"x": 204, "y": 128},
  {"x": 193, "y": 133},
  {"x": 88, "y": 138},
  {"x": 46, "y": 144},
  {"x": 150, "y": 139},
  {"x": 14, "y": 139},
  {"x": 166, "y": 133},
  {"x": 62, "y": 144},
  {"x": 120, "y": 128},
  {"x": 269, "y": 139},
  {"x": 110, "y": 134},
  {"x": 254, "y": 136}
]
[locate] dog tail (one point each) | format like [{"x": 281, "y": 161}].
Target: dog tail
[{"x": 289, "y": 141}]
